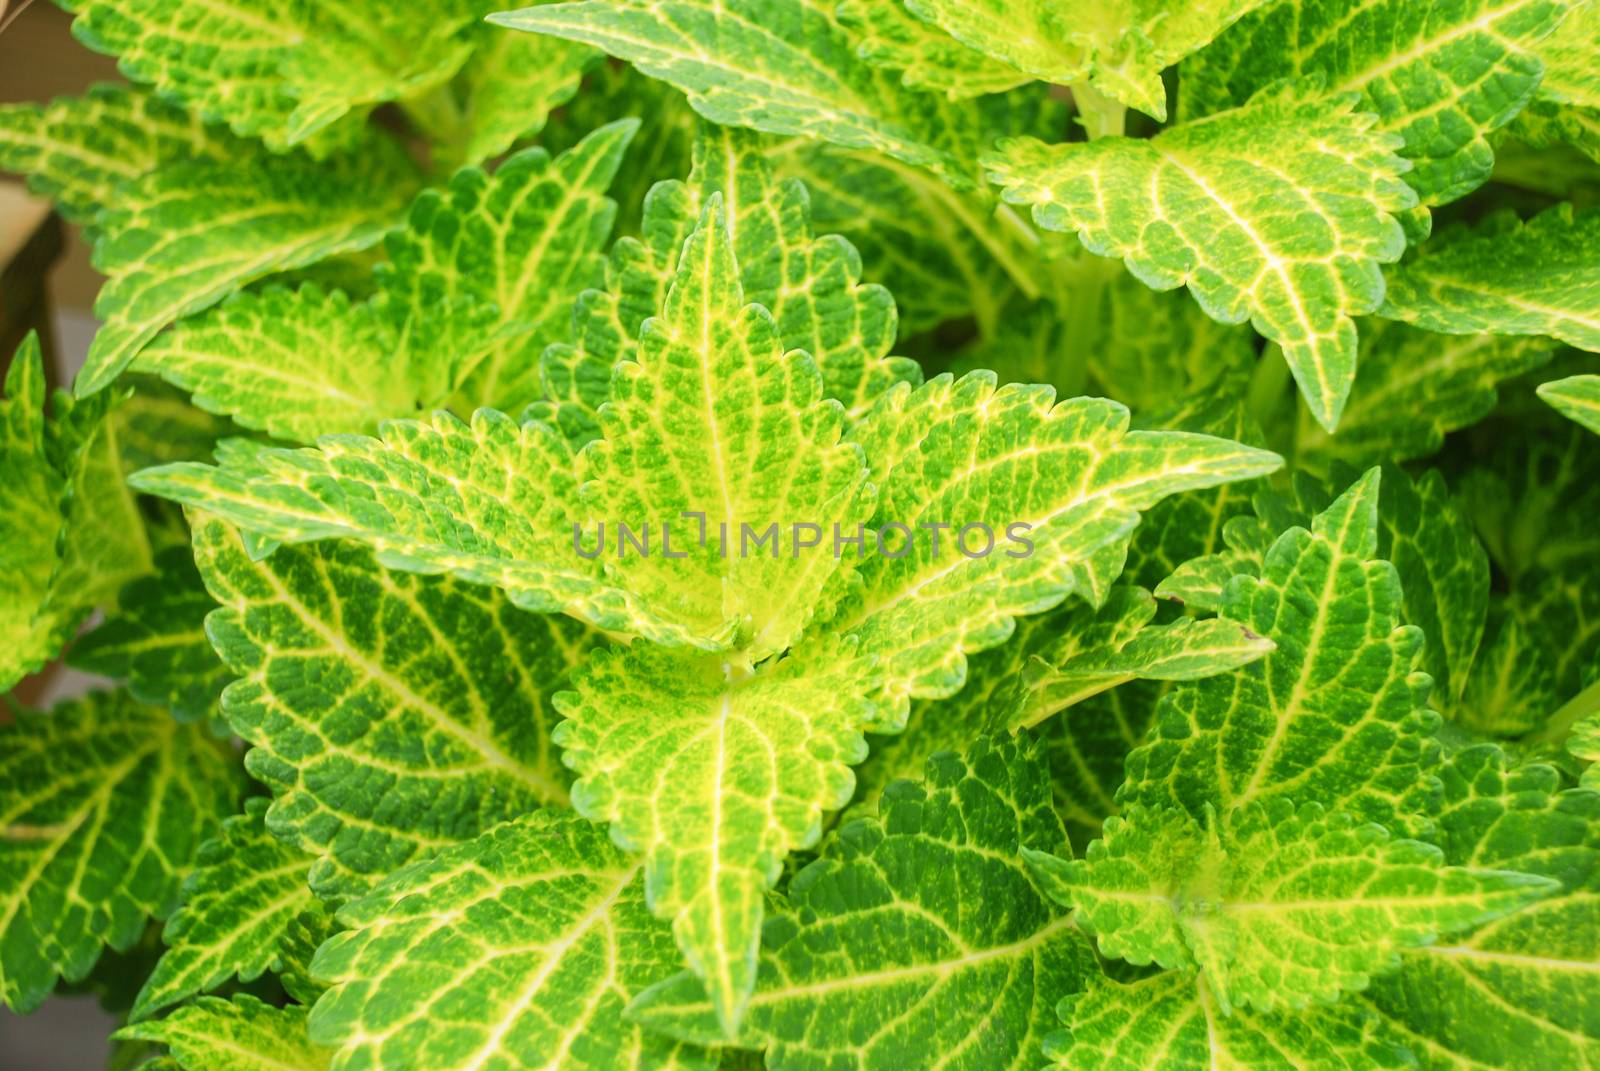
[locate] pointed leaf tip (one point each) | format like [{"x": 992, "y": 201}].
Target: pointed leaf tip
[{"x": 1351, "y": 521}]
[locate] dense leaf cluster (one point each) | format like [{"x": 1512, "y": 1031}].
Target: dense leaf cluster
[{"x": 461, "y": 728}]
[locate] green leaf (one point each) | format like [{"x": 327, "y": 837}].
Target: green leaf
[
  {"x": 1159, "y": 353},
  {"x": 1443, "y": 78},
  {"x": 1333, "y": 716},
  {"x": 186, "y": 236},
  {"x": 70, "y": 536},
  {"x": 1276, "y": 906},
  {"x": 297, "y": 946},
  {"x": 82, "y": 151},
  {"x": 1200, "y": 584},
  {"x": 241, "y": 1035},
  {"x": 517, "y": 949},
  {"x": 1412, "y": 389},
  {"x": 1094, "y": 650},
  {"x": 1584, "y": 745},
  {"x": 246, "y": 890},
  {"x": 954, "y": 455},
  {"x": 891, "y": 37},
  {"x": 104, "y": 804},
  {"x": 919, "y": 938},
  {"x": 1568, "y": 55},
  {"x": 1119, "y": 48},
  {"x": 103, "y": 543},
  {"x": 1500, "y": 675},
  {"x": 445, "y": 312},
  {"x": 527, "y": 240},
  {"x": 1444, "y": 574},
  {"x": 731, "y": 771},
  {"x": 1443, "y": 570},
  {"x": 712, "y": 421},
  {"x": 1544, "y": 127},
  {"x": 262, "y": 358},
  {"x": 1512, "y": 687},
  {"x": 661, "y": 151},
  {"x": 1518, "y": 994},
  {"x": 1088, "y": 746},
  {"x": 139, "y": 1055},
  {"x": 492, "y": 502},
  {"x": 1535, "y": 644},
  {"x": 1530, "y": 499},
  {"x": 1171, "y": 1022},
  {"x": 392, "y": 715},
  {"x": 1191, "y": 525},
  {"x": 1567, "y": 107},
  {"x": 810, "y": 285},
  {"x": 1530, "y": 496},
  {"x": 279, "y": 71},
  {"x": 1280, "y": 211},
  {"x": 786, "y": 68},
  {"x": 156, "y": 641},
  {"x": 1576, "y": 397},
  {"x": 945, "y": 253},
  {"x": 1506, "y": 277},
  {"x": 1085, "y": 744},
  {"x": 159, "y": 424},
  {"x": 935, "y": 725},
  {"x": 504, "y": 93}
]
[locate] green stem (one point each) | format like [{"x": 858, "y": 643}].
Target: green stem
[
  {"x": 438, "y": 115},
  {"x": 1011, "y": 255},
  {"x": 1023, "y": 274},
  {"x": 1080, "y": 296},
  {"x": 1267, "y": 384},
  {"x": 1573, "y": 711},
  {"x": 960, "y": 206},
  {"x": 1100, "y": 116},
  {"x": 1007, "y": 215}
]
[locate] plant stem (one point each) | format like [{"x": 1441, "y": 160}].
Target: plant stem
[
  {"x": 1267, "y": 385},
  {"x": 1080, "y": 295},
  {"x": 1101, "y": 116},
  {"x": 1570, "y": 713},
  {"x": 438, "y": 115}
]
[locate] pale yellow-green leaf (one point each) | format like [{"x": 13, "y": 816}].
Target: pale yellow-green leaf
[
  {"x": 1280, "y": 212},
  {"x": 184, "y": 237},
  {"x": 1443, "y": 77},
  {"x": 1276, "y": 906},
  {"x": 1172, "y": 1022},
  {"x": 1577, "y": 397},
  {"x": 1093, "y": 651},
  {"x": 244, "y": 1034},
  {"x": 1052, "y": 484},
  {"x": 715, "y": 773},
  {"x": 927, "y": 57},
  {"x": 1118, "y": 46},
  {"x": 713, "y": 435},
  {"x": 294, "y": 363},
  {"x": 781, "y": 66},
  {"x": 492, "y": 502},
  {"x": 1567, "y": 106}
]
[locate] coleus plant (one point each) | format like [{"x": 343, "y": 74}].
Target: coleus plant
[{"x": 654, "y": 645}]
